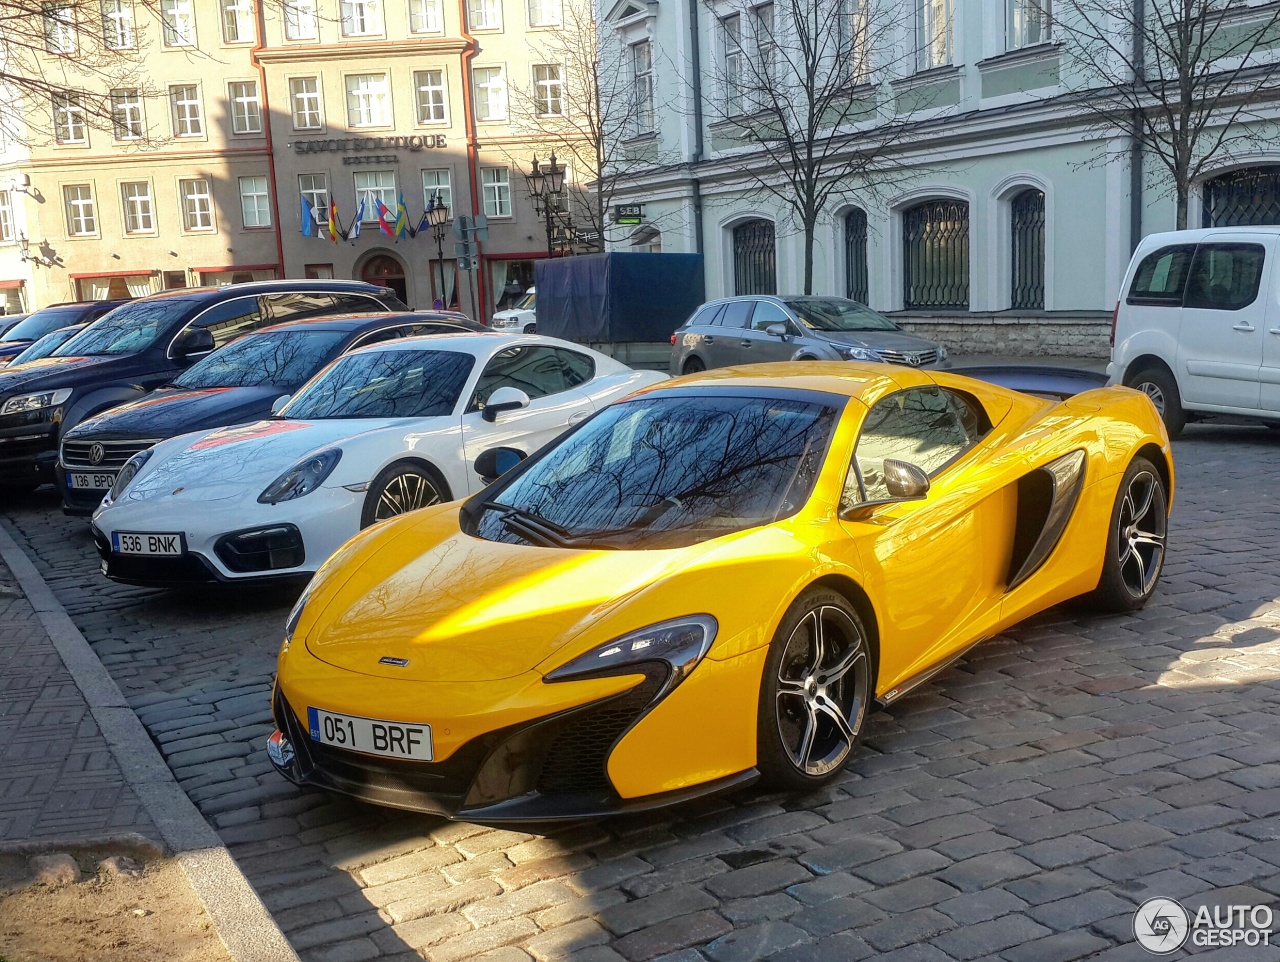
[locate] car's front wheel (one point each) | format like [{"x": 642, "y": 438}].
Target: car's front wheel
[
  {"x": 1159, "y": 385},
  {"x": 1135, "y": 541},
  {"x": 815, "y": 694},
  {"x": 400, "y": 488},
  {"x": 531, "y": 328},
  {"x": 693, "y": 365}
]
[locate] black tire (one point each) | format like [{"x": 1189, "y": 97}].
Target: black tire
[
  {"x": 693, "y": 365},
  {"x": 795, "y": 699},
  {"x": 1135, "y": 540},
  {"x": 531, "y": 328},
  {"x": 1159, "y": 385},
  {"x": 401, "y": 487}
]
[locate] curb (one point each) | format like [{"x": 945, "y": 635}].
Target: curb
[{"x": 243, "y": 923}]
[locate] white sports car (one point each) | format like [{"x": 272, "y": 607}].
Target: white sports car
[{"x": 383, "y": 430}]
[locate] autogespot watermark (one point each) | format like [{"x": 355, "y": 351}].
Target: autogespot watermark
[{"x": 1162, "y": 926}]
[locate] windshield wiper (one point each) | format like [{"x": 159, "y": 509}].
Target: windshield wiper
[{"x": 530, "y": 525}]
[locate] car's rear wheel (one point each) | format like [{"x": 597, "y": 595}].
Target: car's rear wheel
[
  {"x": 400, "y": 488},
  {"x": 1159, "y": 385},
  {"x": 693, "y": 365},
  {"x": 1135, "y": 541},
  {"x": 815, "y": 694},
  {"x": 531, "y": 328}
]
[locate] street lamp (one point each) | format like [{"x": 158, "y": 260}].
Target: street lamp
[
  {"x": 546, "y": 186},
  {"x": 438, "y": 218}
]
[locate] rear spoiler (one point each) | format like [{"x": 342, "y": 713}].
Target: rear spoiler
[{"x": 1044, "y": 380}]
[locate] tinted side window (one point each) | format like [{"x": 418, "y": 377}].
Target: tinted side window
[
  {"x": 230, "y": 319},
  {"x": 928, "y": 427},
  {"x": 578, "y": 368},
  {"x": 296, "y": 305},
  {"x": 362, "y": 304},
  {"x": 435, "y": 327},
  {"x": 736, "y": 313},
  {"x": 1161, "y": 276},
  {"x": 1225, "y": 277},
  {"x": 768, "y": 313},
  {"x": 377, "y": 337},
  {"x": 708, "y": 315},
  {"x": 535, "y": 370}
]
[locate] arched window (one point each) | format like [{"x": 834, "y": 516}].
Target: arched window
[
  {"x": 754, "y": 258},
  {"x": 1248, "y": 197},
  {"x": 1026, "y": 228},
  {"x": 935, "y": 237},
  {"x": 856, "y": 286}
]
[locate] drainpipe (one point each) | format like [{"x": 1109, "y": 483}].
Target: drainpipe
[
  {"x": 695, "y": 50},
  {"x": 472, "y": 150},
  {"x": 1135, "y": 136},
  {"x": 266, "y": 129}
]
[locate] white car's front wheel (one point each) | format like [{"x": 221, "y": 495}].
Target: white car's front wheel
[{"x": 402, "y": 487}]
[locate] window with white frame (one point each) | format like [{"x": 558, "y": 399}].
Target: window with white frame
[
  {"x": 82, "y": 219},
  {"x": 300, "y": 20},
  {"x": 179, "y": 20},
  {"x": 360, "y": 18},
  {"x": 934, "y": 33},
  {"x": 762, "y": 25},
  {"x": 197, "y": 204},
  {"x": 484, "y": 14},
  {"x": 731, "y": 63},
  {"x": 246, "y": 107},
  {"x": 304, "y": 93},
  {"x": 6, "y": 216},
  {"x": 255, "y": 208},
  {"x": 642, "y": 86},
  {"x": 126, "y": 114},
  {"x": 424, "y": 16},
  {"x": 495, "y": 183},
  {"x": 1027, "y": 23},
  {"x": 436, "y": 183},
  {"x": 429, "y": 91},
  {"x": 70, "y": 125},
  {"x": 315, "y": 188},
  {"x": 490, "y": 93},
  {"x": 188, "y": 117},
  {"x": 237, "y": 21},
  {"x": 548, "y": 90},
  {"x": 139, "y": 210},
  {"x": 373, "y": 186},
  {"x": 117, "y": 25},
  {"x": 59, "y": 27},
  {"x": 544, "y": 13},
  {"x": 368, "y": 100}
]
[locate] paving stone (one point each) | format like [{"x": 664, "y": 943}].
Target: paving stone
[
  {"x": 758, "y": 879},
  {"x": 755, "y": 942},
  {"x": 906, "y": 929},
  {"x": 1079, "y": 911},
  {"x": 674, "y": 933},
  {"x": 987, "y": 938},
  {"x": 985, "y": 871},
  {"x": 858, "y": 851},
  {"x": 668, "y": 904},
  {"x": 837, "y": 915}
]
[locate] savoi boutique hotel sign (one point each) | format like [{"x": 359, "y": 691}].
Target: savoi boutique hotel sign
[{"x": 355, "y": 145}]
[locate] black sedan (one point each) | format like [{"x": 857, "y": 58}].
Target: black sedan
[
  {"x": 49, "y": 319},
  {"x": 237, "y": 383},
  {"x": 43, "y": 347}
]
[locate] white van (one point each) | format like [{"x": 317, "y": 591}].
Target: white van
[
  {"x": 1197, "y": 327},
  {"x": 522, "y": 316}
]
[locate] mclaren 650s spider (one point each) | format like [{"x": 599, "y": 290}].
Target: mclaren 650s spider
[{"x": 710, "y": 582}]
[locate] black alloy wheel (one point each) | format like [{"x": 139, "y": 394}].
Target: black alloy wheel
[
  {"x": 1136, "y": 540},
  {"x": 401, "y": 488}
]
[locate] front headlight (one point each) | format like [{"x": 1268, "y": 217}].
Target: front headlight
[
  {"x": 127, "y": 474},
  {"x": 860, "y": 354},
  {"x": 942, "y": 353},
  {"x": 303, "y": 478},
  {"x": 679, "y": 644},
  {"x": 504, "y": 322},
  {"x": 291, "y": 623},
  {"x": 34, "y": 402}
]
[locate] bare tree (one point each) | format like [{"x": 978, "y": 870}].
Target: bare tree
[
  {"x": 797, "y": 80},
  {"x": 1183, "y": 78}
]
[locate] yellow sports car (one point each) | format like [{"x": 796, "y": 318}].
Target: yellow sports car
[{"x": 708, "y": 583}]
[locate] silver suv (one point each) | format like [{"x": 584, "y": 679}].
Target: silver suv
[{"x": 746, "y": 330}]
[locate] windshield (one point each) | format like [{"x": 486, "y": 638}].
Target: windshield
[
  {"x": 385, "y": 384},
  {"x": 47, "y": 344},
  {"x": 526, "y": 303},
  {"x": 128, "y": 329},
  {"x": 282, "y": 359},
  {"x": 37, "y": 325},
  {"x": 663, "y": 472},
  {"x": 838, "y": 314}
]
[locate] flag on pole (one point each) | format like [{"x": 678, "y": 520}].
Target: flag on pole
[
  {"x": 333, "y": 220},
  {"x": 386, "y": 220},
  {"x": 423, "y": 221},
  {"x": 402, "y": 217},
  {"x": 308, "y": 218},
  {"x": 355, "y": 225}
]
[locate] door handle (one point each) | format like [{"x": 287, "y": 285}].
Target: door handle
[
  {"x": 1274, "y": 330},
  {"x": 577, "y": 416},
  {"x": 746, "y": 343},
  {"x": 708, "y": 339},
  {"x": 1242, "y": 326}
]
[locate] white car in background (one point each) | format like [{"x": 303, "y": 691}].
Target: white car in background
[
  {"x": 383, "y": 430},
  {"x": 521, "y": 316}
]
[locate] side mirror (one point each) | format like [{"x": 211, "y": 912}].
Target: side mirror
[
  {"x": 495, "y": 462},
  {"x": 904, "y": 481},
  {"x": 278, "y": 404},
  {"x": 777, "y": 330},
  {"x": 504, "y": 399},
  {"x": 191, "y": 344}
]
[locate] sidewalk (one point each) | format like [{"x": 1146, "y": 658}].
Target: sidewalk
[{"x": 60, "y": 779}]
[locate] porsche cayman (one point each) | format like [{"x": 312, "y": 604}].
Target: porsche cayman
[{"x": 707, "y": 583}]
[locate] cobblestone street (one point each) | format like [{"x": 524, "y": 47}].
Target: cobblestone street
[{"x": 1018, "y": 807}]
